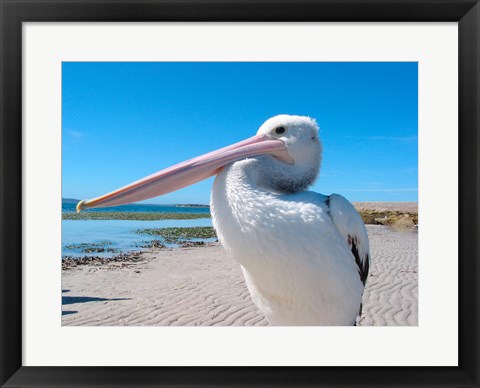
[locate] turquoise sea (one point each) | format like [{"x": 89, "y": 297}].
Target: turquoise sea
[
  {"x": 121, "y": 235},
  {"x": 71, "y": 207}
]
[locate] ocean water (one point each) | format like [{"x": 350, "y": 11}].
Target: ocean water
[
  {"x": 137, "y": 208},
  {"x": 121, "y": 234}
]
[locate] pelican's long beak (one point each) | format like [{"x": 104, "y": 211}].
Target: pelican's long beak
[{"x": 189, "y": 172}]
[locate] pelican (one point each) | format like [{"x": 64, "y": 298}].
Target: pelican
[{"x": 305, "y": 256}]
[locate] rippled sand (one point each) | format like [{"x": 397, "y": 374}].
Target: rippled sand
[{"x": 202, "y": 286}]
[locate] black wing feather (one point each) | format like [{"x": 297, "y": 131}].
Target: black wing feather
[{"x": 363, "y": 265}]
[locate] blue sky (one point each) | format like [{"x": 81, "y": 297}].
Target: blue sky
[{"x": 122, "y": 121}]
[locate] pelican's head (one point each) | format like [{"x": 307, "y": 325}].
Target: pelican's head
[
  {"x": 300, "y": 136},
  {"x": 291, "y": 143},
  {"x": 299, "y": 133}
]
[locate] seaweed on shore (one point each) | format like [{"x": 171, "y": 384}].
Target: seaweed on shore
[
  {"x": 389, "y": 217},
  {"x": 174, "y": 235},
  {"x": 102, "y": 246},
  {"x": 151, "y": 244},
  {"x": 68, "y": 262}
]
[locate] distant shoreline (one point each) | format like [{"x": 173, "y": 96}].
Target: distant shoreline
[
  {"x": 130, "y": 216},
  {"x": 404, "y": 214},
  {"x": 408, "y": 207},
  {"x": 192, "y": 205}
]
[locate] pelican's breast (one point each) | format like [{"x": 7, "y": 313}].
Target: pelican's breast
[{"x": 296, "y": 265}]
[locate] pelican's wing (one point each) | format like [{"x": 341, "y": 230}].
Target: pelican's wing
[{"x": 351, "y": 227}]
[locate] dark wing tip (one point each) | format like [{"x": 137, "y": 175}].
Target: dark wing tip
[{"x": 363, "y": 265}]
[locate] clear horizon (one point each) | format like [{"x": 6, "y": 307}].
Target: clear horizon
[{"x": 122, "y": 121}]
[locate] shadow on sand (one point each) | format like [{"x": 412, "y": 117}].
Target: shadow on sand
[
  {"x": 85, "y": 299},
  {"x": 64, "y": 312}
]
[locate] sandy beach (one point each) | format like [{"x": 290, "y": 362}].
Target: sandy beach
[{"x": 203, "y": 286}]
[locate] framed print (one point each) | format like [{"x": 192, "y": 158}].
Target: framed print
[{"x": 378, "y": 99}]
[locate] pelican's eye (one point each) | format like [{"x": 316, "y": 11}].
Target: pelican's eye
[{"x": 280, "y": 130}]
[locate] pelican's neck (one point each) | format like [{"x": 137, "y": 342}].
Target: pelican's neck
[
  {"x": 243, "y": 210},
  {"x": 239, "y": 191},
  {"x": 239, "y": 203}
]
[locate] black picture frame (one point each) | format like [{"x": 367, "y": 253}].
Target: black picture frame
[{"x": 15, "y": 12}]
